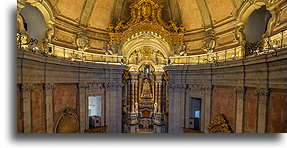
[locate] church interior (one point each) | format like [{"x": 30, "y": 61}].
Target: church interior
[{"x": 151, "y": 66}]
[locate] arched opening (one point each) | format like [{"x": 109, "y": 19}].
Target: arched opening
[
  {"x": 256, "y": 24},
  {"x": 34, "y": 22}
]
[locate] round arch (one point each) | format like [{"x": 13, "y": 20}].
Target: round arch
[
  {"x": 146, "y": 39},
  {"x": 45, "y": 8}
]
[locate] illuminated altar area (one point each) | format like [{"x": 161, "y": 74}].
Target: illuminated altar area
[{"x": 142, "y": 67}]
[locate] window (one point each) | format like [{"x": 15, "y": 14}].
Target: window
[
  {"x": 194, "y": 113},
  {"x": 197, "y": 114},
  {"x": 195, "y": 108},
  {"x": 95, "y": 106},
  {"x": 95, "y": 111}
]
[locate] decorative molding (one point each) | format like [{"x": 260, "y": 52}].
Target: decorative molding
[
  {"x": 83, "y": 85},
  {"x": 177, "y": 86},
  {"x": 98, "y": 87},
  {"x": 240, "y": 90},
  {"x": 262, "y": 92},
  {"x": 113, "y": 85},
  {"x": 27, "y": 87},
  {"x": 82, "y": 41},
  {"x": 49, "y": 86}
]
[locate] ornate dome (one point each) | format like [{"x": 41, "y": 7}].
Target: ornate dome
[{"x": 213, "y": 29}]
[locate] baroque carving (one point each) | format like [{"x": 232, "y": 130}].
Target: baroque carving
[
  {"x": 262, "y": 92},
  {"x": 146, "y": 16},
  {"x": 27, "y": 87},
  {"x": 219, "y": 125},
  {"x": 113, "y": 85},
  {"x": 81, "y": 40},
  {"x": 67, "y": 122},
  {"x": 209, "y": 42},
  {"x": 125, "y": 75},
  {"x": 49, "y": 86},
  {"x": 177, "y": 86},
  {"x": 98, "y": 87},
  {"x": 240, "y": 90}
]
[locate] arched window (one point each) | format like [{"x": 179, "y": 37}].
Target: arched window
[{"x": 256, "y": 24}]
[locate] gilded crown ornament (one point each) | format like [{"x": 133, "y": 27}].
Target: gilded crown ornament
[{"x": 146, "y": 16}]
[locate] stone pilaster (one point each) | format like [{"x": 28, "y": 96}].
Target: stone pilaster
[
  {"x": 83, "y": 106},
  {"x": 263, "y": 95},
  {"x": 240, "y": 95},
  {"x": 48, "y": 88},
  {"x": 176, "y": 109},
  {"x": 113, "y": 107},
  {"x": 206, "y": 105},
  {"x": 27, "y": 90}
]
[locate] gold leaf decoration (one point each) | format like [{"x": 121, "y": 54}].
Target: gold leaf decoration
[{"x": 219, "y": 125}]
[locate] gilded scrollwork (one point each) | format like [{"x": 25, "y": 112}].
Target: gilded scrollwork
[
  {"x": 126, "y": 75},
  {"x": 219, "y": 125},
  {"x": 146, "y": 17},
  {"x": 82, "y": 41},
  {"x": 210, "y": 41}
]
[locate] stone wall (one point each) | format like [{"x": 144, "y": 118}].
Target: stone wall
[
  {"x": 252, "y": 93},
  {"x": 47, "y": 85}
]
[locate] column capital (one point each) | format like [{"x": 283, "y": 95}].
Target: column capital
[
  {"x": 49, "y": 86},
  {"x": 113, "y": 85},
  {"x": 207, "y": 87},
  {"x": 27, "y": 87},
  {"x": 83, "y": 85},
  {"x": 99, "y": 87},
  {"x": 177, "y": 86},
  {"x": 262, "y": 92},
  {"x": 240, "y": 90}
]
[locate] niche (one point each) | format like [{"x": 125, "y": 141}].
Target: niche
[
  {"x": 256, "y": 24},
  {"x": 34, "y": 22}
]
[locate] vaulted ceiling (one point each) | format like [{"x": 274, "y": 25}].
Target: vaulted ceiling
[{"x": 193, "y": 14}]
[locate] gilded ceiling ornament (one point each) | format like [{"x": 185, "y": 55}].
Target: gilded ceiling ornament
[
  {"x": 145, "y": 17},
  {"x": 82, "y": 41},
  {"x": 209, "y": 42}
]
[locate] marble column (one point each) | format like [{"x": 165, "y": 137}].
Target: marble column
[
  {"x": 263, "y": 95},
  {"x": 27, "y": 90},
  {"x": 83, "y": 106},
  {"x": 240, "y": 97},
  {"x": 49, "y": 87}
]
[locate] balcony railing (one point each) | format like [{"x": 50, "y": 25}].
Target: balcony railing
[{"x": 271, "y": 45}]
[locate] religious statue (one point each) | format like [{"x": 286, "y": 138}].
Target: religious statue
[{"x": 146, "y": 90}]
